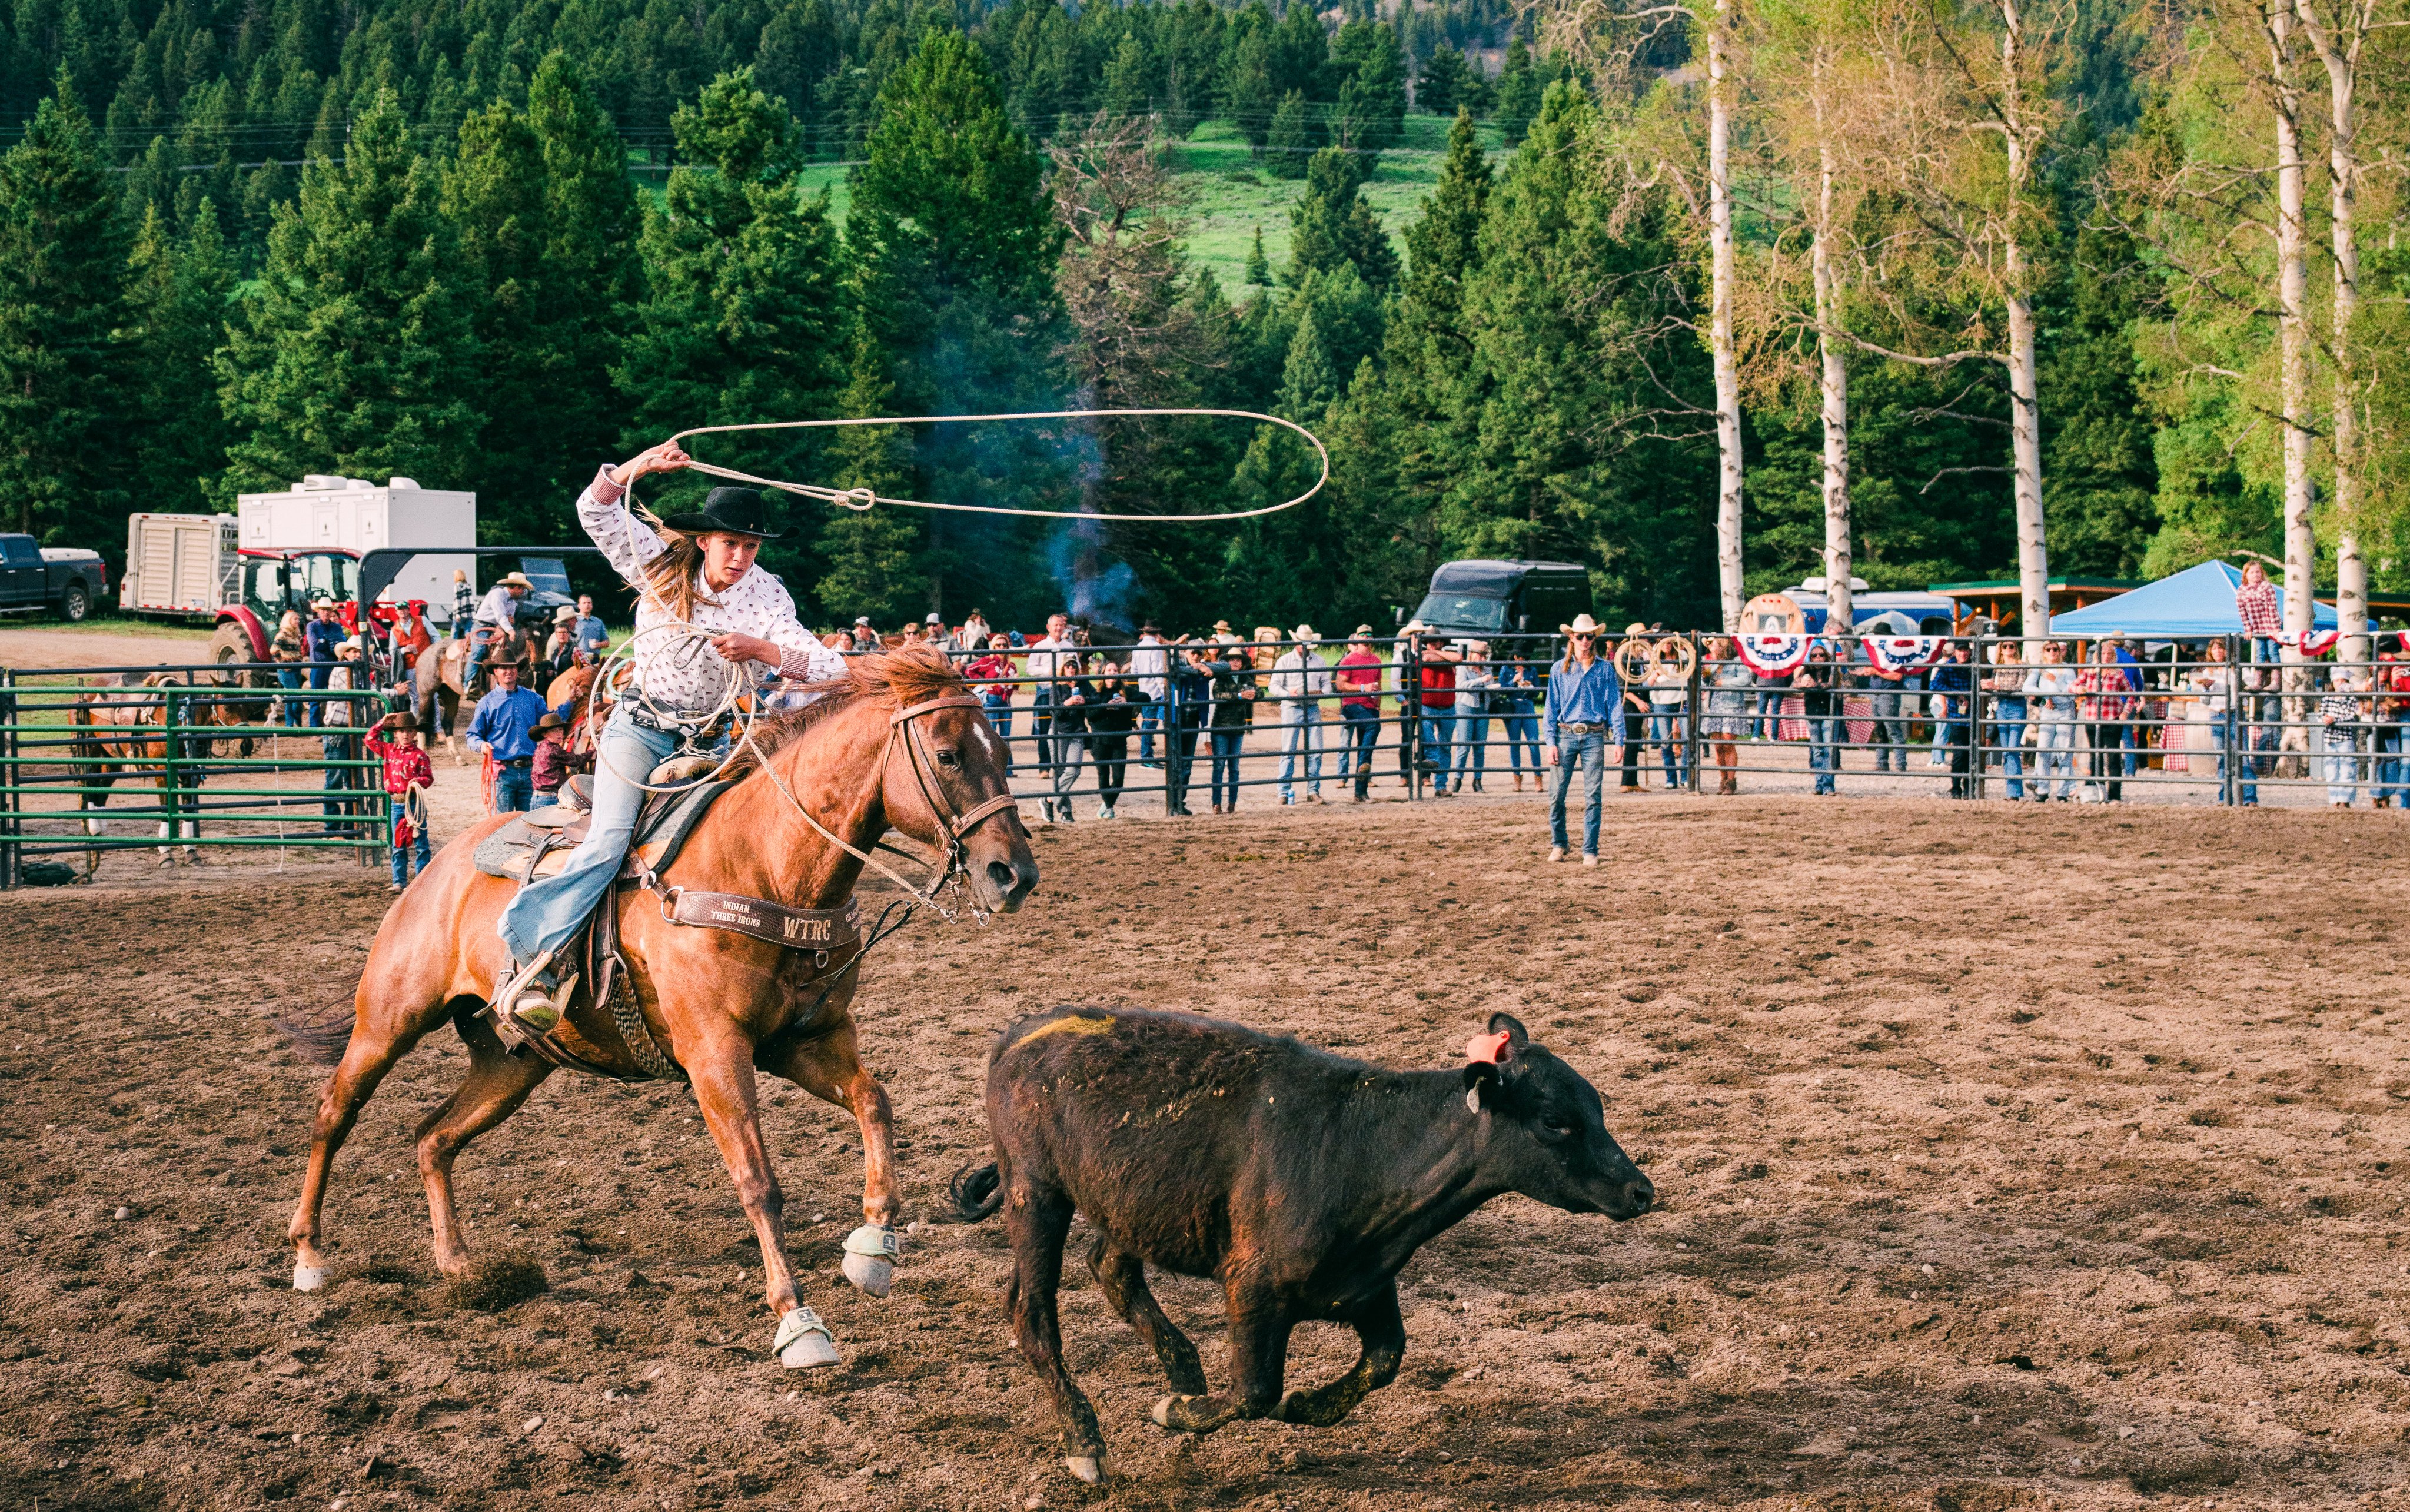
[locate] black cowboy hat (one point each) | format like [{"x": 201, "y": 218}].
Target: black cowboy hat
[{"x": 736, "y": 511}]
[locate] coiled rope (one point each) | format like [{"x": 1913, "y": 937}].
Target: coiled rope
[{"x": 863, "y": 498}]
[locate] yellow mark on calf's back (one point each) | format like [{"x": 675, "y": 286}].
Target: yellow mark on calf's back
[{"x": 1075, "y": 1024}]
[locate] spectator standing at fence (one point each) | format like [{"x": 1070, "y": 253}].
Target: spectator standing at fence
[
  {"x": 1358, "y": 677},
  {"x": 1634, "y": 715},
  {"x": 1149, "y": 669},
  {"x": 559, "y": 652},
  {"x": 1042, "y": 666},
  {"x": 2007, "y": 685},
  {"x": 319, "y": 638},
  {"x": 2254, "y": 604},
  {"x": 393, "y": 743},
  {"x": 1301, "y": 680},
  {"x": 1189, "y": 694},
  {"x": 1582, "y": 714},
  {"x": 1233, "y": 674},
  {"x": 592, "y": 636},
  {"x": 973, "y": 632},
  {"x": 2340, "y": 714},
  {"x": 996, "y": 696},
  {"x": 1113, "y": 712},
  {"x": 1669, "y": 691},
  {"x": 503, "y": 730},
  {"x": 1070, "y": 744},
  {"x": 342, "y": 717},
  {"x": 2214, "y": 684},
  {"x": 1729, "y": 685},
  {"x": 2391, "y": 686},
  {"x": 1952, "y": 683},
  {"x": 1474, "y": 678},
  {"x": 410, "y": 638},
  {"x": 464, "y": 604},
  {"x": 2103, "y": 690},
  {"x": 1817, "y": 702},
  {"x": 1438, "y": 710},
  {"x": 287, "y": 650},
  {"x": 1886, "y": 695},
  {"x": 2050, "y": 688},
  {"x": 1518, "y": 686}
]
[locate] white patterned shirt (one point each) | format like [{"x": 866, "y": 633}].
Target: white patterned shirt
[{"x": 689, "y": 675}]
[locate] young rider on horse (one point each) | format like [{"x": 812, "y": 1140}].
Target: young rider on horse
[{"x": 699, "y": 569}]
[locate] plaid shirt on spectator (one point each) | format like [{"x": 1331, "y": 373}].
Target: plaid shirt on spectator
[
  {"x": 2099, "y": 695},
  {"x": 2340, "y": 710},
  {"x": 2257, "y": 603}
]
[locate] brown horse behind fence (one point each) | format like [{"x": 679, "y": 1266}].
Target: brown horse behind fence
[
  {"x": 120, "y": 731},
  {"x": 899, "y": 746}
]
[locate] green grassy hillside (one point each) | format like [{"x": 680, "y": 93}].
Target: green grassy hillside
[{"x": 1230, "y": 194}]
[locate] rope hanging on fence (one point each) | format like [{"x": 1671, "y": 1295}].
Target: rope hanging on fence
[{"x": 861, "y": 499}]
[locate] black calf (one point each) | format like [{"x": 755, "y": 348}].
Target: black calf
[{"x": 1302, "y": 1181}]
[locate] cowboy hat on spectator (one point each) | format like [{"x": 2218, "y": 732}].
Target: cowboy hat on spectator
[
  {"x": 1305, "y": 632},
  {"x": 1584, "y": 625},
  {"x": 512, "y": 580}
]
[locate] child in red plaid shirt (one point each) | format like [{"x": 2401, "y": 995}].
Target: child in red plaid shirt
[{"x": 407, "y": 772}]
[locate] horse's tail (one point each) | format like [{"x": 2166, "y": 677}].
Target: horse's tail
[
  {"x": 977, "y": 1192},
  {"x": 322, "y": 1043}
]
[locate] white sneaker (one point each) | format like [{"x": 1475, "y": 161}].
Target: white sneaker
[
  {"x": 1104, "y": 810},
  {"x": 1287, "y": 800},
  {"x": 1556, "y": 852}
]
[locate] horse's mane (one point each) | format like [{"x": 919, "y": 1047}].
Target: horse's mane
[{"x": 898, "y": 679}]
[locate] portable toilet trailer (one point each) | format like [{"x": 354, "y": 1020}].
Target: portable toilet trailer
[{"x": 325, "y": 513}]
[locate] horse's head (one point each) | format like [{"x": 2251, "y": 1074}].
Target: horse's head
[{"x": 945, "y": 774}]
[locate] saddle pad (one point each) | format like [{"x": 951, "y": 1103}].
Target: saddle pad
[{"x": 661, "y": 830}]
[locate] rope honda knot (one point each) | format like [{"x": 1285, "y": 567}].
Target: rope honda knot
[{"x": 858, "y": 499}]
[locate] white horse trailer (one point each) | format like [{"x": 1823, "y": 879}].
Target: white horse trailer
[{"x": 323, "y": 513}]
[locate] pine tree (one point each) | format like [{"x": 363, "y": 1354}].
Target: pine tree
[
  {"x": 1446, "y": 81},
  {"x": 1127, "y": 86},
  {"x": 1259, "y": 269},
  {"x": 872, "y": 557},
  {"x": 180, "y": 293},
  {"x": 1332, "y": 225},
  {"x": 62, "y": 305},
  {"x": 1519, "y": 88},
  {"x": 1309, "y": 382},
  {"x": 744, "y": 318},
  {"x": 1371, "y": 107},
  {"x": 1291, "y": 138},
  {"x": 356, "y": 353}
]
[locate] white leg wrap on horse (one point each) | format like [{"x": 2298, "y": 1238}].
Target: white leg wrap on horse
[
  {"x": 804, "y": 1342},
  {"x": 308, "y": 1277},
  {"x": 870, "y": 1253}
]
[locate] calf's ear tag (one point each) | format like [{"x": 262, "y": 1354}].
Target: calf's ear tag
[{"x": 1487, "y": 1047}]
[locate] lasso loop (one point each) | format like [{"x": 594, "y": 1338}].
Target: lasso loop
[{"x": 863, "y": 498}]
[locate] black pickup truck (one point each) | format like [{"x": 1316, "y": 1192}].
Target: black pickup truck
[{"x": 67, "y": 580}]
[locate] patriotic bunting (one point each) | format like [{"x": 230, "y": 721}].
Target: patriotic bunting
[
  {"x": 2315, "y": 643},
  {"x": 1902, "y": 653},
  {"x": 1772, "y": 656}
]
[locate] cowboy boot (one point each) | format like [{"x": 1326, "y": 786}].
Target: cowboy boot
[{"x": 530, "y": 1002}]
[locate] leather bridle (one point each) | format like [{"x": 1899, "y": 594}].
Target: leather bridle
[{"x": 955, "y": 823}]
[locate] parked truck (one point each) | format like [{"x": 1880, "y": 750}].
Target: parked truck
[{"x": 67, "y": 580}]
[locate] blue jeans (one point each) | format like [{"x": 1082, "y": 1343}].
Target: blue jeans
[
  {"x": 1042, "y": 723},
  {"x": 1181, "y": 720},
  {"x": 2230, "y": 737},
  {"x": 1473, "y": 730},
  {"x": 1588, "y": 753},
  {"x": 335, "y": 779},
  {"x": 1363, "y": 733},
  {"x": 1150, "y": 717},
  {"x": 482, "y": 638},
  {"x": 549, "y": 910},
  {"x": 2388, "y": 775},
  {"x": 1522, "y": 729},
  {"x": 999, "y": 714},
  {"x": 2010, "y": 737},
  {"x": 317, "y": 714},
  {"x": 1667, "y": 730},
  {"x": 1824, "y": 752},
  {"x": 514, "y": 790},
  {"x": 538, "y": 798},
  {"x": 1301, "y": 734},
  {"x": 1439, "y": 738},
  {"x": 291, "y": 678},
  {"x": 402, "y": 856},
  {"x": 1227, "y": 741},
  {"x": 2342, "y": 743}
]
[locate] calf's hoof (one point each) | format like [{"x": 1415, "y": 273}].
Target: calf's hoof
[
  {"x": 308, "y": 1277},
  {"x": 1090, "y": 1468},
  {"x": 1172, "y": 1412},
  {"x": 804, "y": 1342},
  {"x": 869, "y": 1261}
]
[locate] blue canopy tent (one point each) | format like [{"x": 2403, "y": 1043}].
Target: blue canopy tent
[{"x": 2194, "y": 604}]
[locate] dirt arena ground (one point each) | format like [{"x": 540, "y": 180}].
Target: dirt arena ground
[{"x": 2009, "y": 1157}]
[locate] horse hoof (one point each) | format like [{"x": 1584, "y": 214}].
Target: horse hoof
[
  {"x": 308, "y": 1277},
  {"x": 1283, "y": 1413},
  {"x": 1090, "y": 1468},
  {"x": 1162, "y": 1411},
  {"x": 808, "y": 1352},
  {"x": 870, "y": 1273}
]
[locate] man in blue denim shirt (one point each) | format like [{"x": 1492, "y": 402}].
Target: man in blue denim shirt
[
  {"x": 504, "y": 729},
  {"x": 1584, "y": 700}
]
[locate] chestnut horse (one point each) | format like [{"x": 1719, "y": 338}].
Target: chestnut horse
[{"x": 872, "y": 754}]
